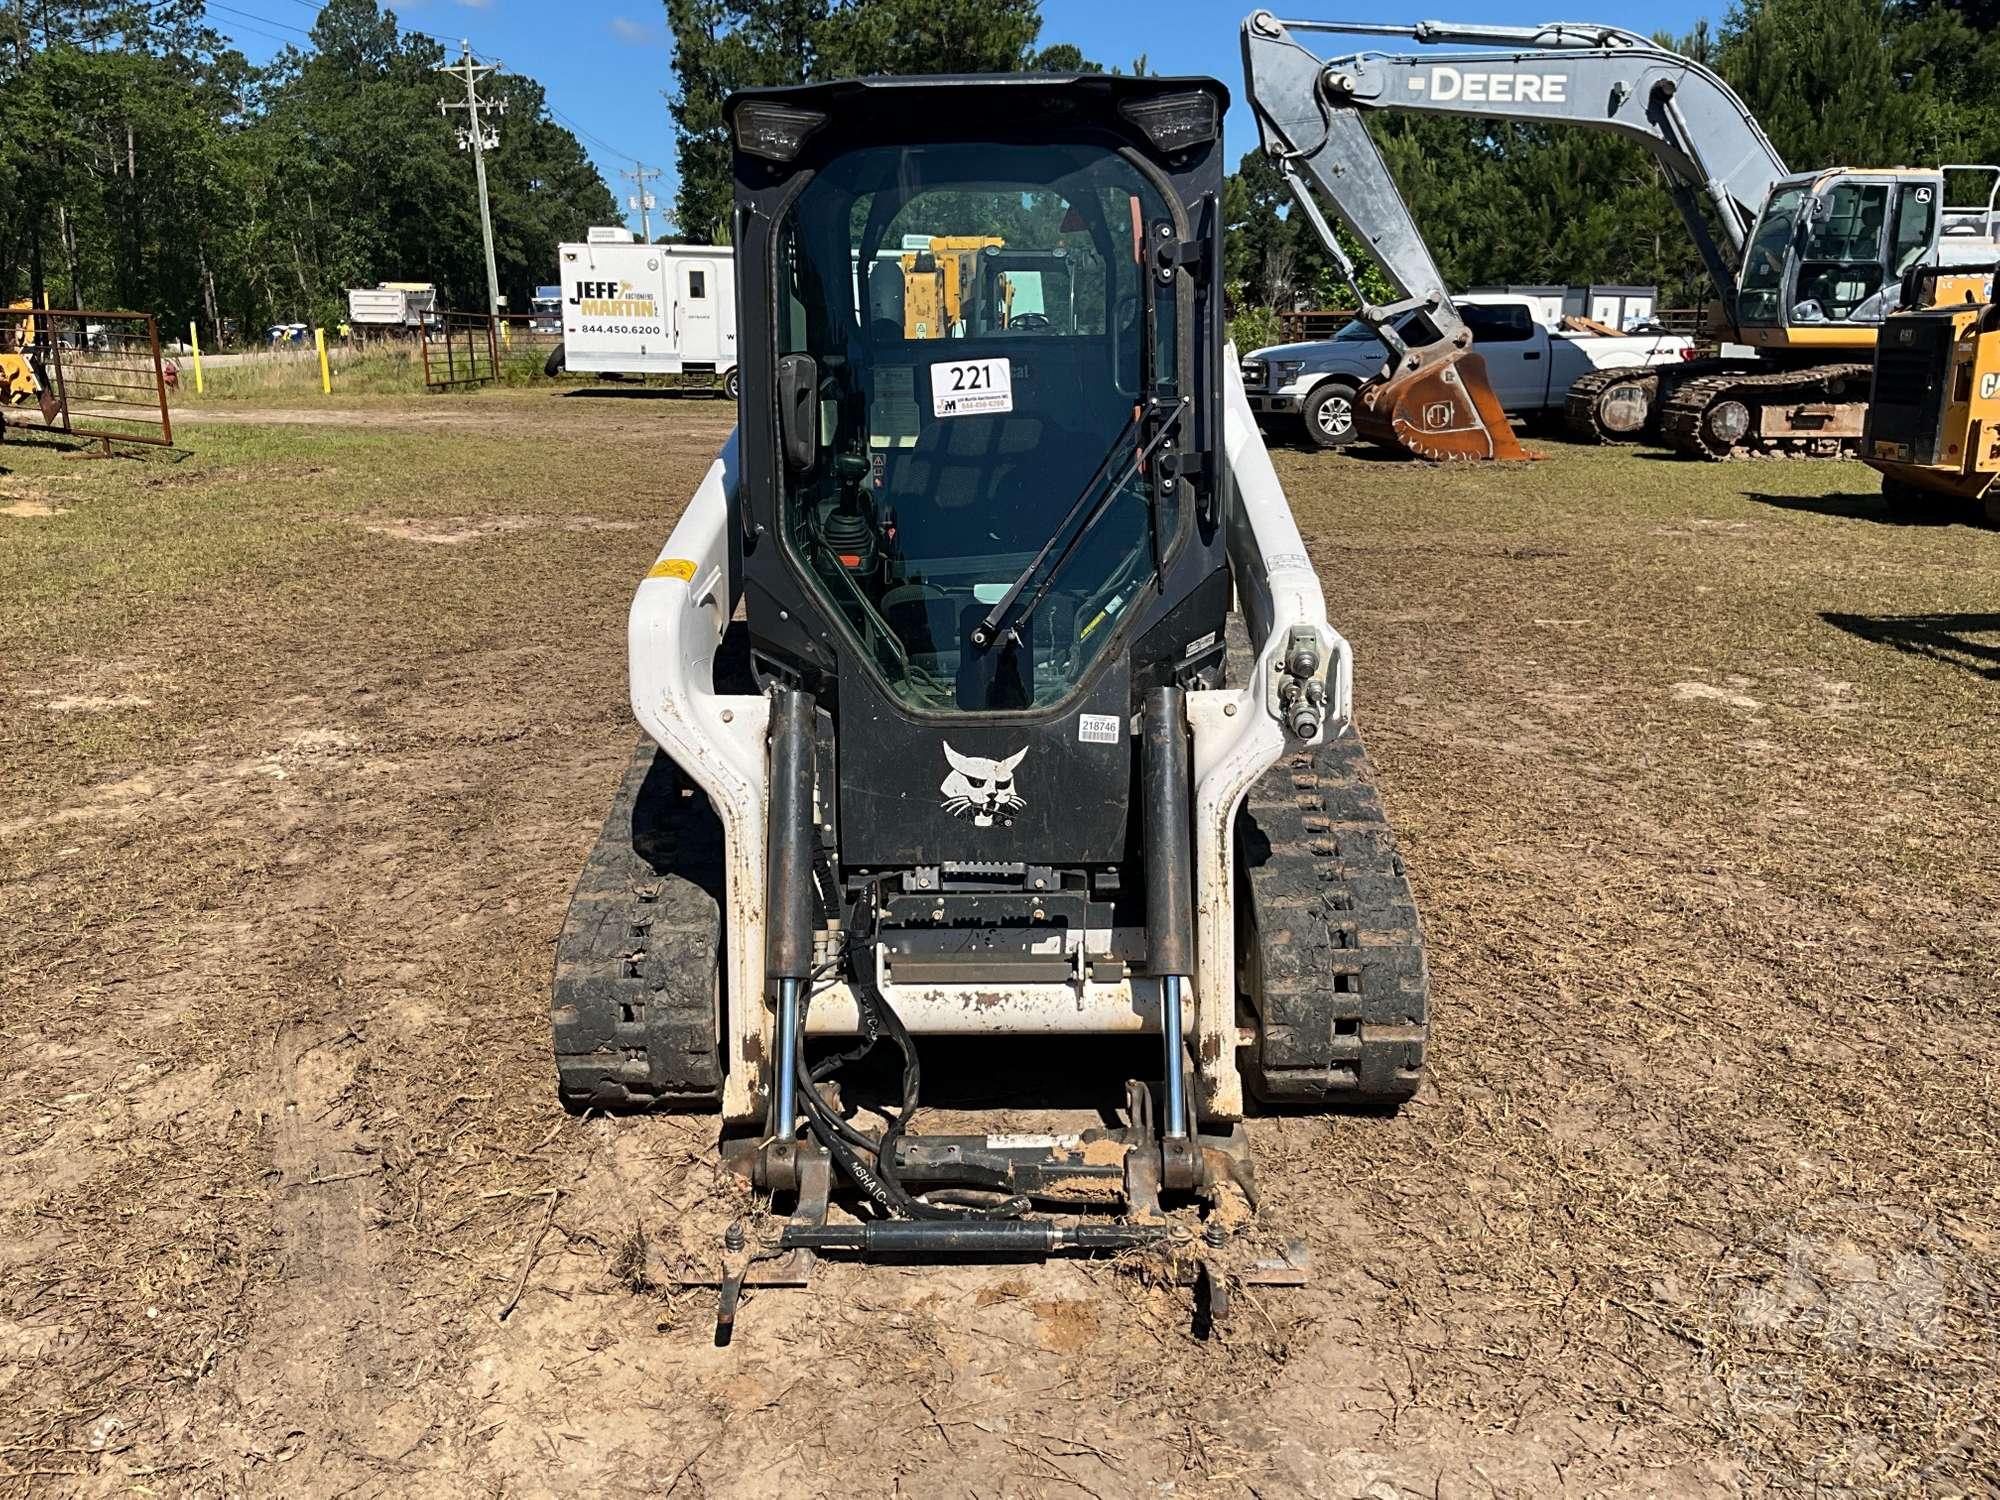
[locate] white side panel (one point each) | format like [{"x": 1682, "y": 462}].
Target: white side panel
[
  {"x": 1239, "y": 732},
  {"x": 676, "y": 624},
  {"x": 617, "y": 309}
]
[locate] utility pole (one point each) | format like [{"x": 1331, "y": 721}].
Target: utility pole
[
  {"x": 474, "y": 135},
  {"x": 642, "y": 200}
]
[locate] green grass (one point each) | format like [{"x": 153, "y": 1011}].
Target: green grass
[
  {"x": 202, "y": 565},
  {"x": 291, "y": 376}
]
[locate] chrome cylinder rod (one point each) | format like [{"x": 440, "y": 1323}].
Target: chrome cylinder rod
[
  {"x": 1170, "y": 1034},
  {"x": 785, "y": 1106}
]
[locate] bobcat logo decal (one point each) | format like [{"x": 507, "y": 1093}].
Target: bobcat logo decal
[{"x": 982, "y": 787}]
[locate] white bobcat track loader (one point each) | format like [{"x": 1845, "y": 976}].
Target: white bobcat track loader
[{"x": 1034, "y": 726}]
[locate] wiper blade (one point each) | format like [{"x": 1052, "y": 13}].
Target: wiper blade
[{"x": 988, "y": 630}]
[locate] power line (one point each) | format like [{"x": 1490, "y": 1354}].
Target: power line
[
  {"x": 316, "y": 8},
  {"x": 596, "y": 140},
  {"x": 251, "y": 16}
]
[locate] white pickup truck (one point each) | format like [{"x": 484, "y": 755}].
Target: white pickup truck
[{"x": 1531, "y": 365}]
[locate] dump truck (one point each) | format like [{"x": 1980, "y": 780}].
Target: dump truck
[
  {"x": 397, "y": 305},
  {"x": 988, "y": 692}
]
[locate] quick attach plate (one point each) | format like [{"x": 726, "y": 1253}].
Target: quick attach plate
[{"x": 1100, "y": 1168}]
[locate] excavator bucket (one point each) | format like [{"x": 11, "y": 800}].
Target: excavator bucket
[{"x": 1441, "y": 411}]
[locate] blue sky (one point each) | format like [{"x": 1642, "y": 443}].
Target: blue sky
[{"x": 604, "y": 62}]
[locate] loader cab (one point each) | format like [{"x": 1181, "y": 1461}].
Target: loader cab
[
  {"x": 1826, "y": 261},
  {"x": 981, "y": 348}
]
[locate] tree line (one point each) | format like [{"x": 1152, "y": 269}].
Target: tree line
[{"x": 145, "y": 163}]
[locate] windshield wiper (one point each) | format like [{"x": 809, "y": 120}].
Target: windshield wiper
[{"x": 988, "y": 630}]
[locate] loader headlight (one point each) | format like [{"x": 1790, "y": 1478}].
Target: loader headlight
[
  {"x": 776, "y": 132},
  {"x": 1174, "y": 122}
]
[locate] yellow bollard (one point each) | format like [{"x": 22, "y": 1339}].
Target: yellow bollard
[
  {"x": 325, "y": 375},
  {"x": 194, "y": 342}
]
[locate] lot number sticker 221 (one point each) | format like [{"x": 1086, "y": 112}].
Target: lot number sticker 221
[{"x": 967, "y": 387}]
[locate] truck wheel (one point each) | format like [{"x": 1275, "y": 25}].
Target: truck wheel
[
  {"x": 1328, "y": 414},
  {"x": 556, "y": 363},
  {"x": 732, "y": 384}
]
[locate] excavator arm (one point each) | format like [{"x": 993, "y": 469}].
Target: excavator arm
[{"x": 1435, "y": 398}]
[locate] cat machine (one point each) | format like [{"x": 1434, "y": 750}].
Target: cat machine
[
  {"x": 988, "y": 692},
  {"x": 1934, "y": 412}
]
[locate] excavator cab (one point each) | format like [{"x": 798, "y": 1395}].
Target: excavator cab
[{"x": 1826, "y": 262}]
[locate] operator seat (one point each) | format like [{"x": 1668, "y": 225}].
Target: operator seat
[{"x": 976, "y": 484}]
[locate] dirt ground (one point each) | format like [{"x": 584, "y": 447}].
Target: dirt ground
[{"x": 303, "y": 736}]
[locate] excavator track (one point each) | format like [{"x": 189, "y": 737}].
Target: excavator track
[
  {"x": 1622, "y": 404},
  {"x": 1723, "y": 415},
  {"x": 635, "y": 998},
  {"x": 1334, "y": 948}
]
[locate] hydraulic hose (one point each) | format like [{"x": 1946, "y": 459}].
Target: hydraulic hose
[{"x": 849, "y": 1147}]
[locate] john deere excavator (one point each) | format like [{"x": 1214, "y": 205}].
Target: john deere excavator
[
  {"x": 1033, "y": 729},
  {"x": 1806, "y": 266},
  {"x": 22, "y": 380}
]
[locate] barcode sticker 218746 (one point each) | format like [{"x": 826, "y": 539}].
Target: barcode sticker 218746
[{"x": 970, "y": 387}]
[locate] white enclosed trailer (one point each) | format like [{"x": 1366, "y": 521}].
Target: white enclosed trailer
[{"x": 649, "y": 309}]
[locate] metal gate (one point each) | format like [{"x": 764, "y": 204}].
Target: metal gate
[
  {"x": 99, "y": 374},
  {"x": 459, "y": 349}
]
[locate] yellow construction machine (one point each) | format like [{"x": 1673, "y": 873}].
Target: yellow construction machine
[
  {"x": 21, "y": 378},
  {"x": 939, "y": 281},
  {"x": 1934, "y": 418}
]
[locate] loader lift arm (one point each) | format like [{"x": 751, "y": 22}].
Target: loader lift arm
[{"x": 1310, "y": 117}]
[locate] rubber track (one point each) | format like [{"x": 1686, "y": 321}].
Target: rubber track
[
  {"x": 633, "y": 1000},
  {"x": 1344, "y": 995},
  {"x": 1334, "y": 948},
  {"x": 1682, "y": 412}
]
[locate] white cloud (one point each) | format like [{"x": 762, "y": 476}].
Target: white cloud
[{"x": 634, "y": 33}]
